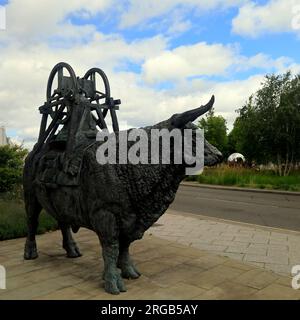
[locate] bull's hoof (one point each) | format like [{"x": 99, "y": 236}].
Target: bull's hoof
[
  {"x": 30, "y": 250},
  {"x": 114, "y": 284},
  {"x": 128, "y": 269},
  {"x": 72, "y": 250},
  {"x": 130, "y": 272}
]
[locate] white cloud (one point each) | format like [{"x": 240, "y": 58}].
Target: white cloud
[
  {"x": 31, "y": 23},
  {"x": 204, "y": 59},
  {"x": 141, "y": 11},
  {"x": 275, "y": 16},
  {"x": 179, "y": 26},
  {"x": 187, "y": 61},
  {"x": 264, "y": 62}
]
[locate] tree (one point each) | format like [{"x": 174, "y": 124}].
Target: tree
[
  {"x": 11, "y": 166},
  {"x": 245, "y": 131},
  {"x": 268, "y": 126},
  {"x": 233, "y": 144},
  {"x": 215, "y": 130}
]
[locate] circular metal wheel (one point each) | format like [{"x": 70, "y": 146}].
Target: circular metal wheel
[
  {"x": 60, "y": 93},
  {"x": 99, "y": 95}
]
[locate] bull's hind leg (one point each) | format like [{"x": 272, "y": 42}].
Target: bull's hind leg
[
  {"x": 107, "y": 231},
  {"x": 125, "y": 263},
  {"x": 113, "y": 281},
  {"x": 69, "y": 243},
  {"x": 33, "y": 209}
]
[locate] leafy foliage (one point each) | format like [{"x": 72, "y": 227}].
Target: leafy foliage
[
  {"x": 268, "y": 126},
  {"x": 215, "y": 130},
  {"x": 11, "y": 166}
]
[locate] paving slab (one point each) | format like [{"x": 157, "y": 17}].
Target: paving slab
[{"x": 271, "y": 248}]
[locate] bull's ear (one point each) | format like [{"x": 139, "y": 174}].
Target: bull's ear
[{"x": 181, "y": 119}]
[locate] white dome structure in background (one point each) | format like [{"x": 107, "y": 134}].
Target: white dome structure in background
[{"x": 236, "y": 157}]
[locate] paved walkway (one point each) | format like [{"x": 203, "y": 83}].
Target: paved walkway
[
  {"x": 171, "y": 268},
  {"x": 273, "y": 249}
]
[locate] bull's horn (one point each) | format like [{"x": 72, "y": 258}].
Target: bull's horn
[{"x": 181, "y": 119}]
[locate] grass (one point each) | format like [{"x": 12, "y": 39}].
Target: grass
[
  {"x": 13, "y": 219},
  {"x": 248, "y": 178}
]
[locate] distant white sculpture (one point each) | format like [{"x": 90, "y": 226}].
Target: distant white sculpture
[{"x": 236, "y": 158}]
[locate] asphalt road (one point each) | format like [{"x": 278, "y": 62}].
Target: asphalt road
[{"x": 272, "y": 210}]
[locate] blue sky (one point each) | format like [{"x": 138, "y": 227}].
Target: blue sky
[
  {"x": 212, "y": 27},
  {"x": 161, "y": 57}
]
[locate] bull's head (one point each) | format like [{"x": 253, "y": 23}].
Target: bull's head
[{"x": 184, "y": 120}]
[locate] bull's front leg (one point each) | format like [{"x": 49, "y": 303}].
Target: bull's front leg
[
  {"x": 125, "y": 263},
  {"x": 107, "y": 231}
]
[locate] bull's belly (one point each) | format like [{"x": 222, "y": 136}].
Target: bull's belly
[{"x": 64, "y": 204}]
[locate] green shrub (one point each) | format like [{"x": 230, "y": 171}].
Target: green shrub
[
  {"x": 8, "y": 178},
  {"x": 11, "y": 166}
]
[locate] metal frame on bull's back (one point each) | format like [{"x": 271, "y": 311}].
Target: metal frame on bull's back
[
  {"x": 72, "y": 90},
  {"x": 117, "y": 201}
]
